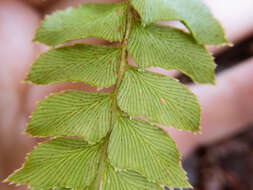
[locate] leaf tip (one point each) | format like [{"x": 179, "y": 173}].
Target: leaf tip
[
  {"x": 28, "y": 132},
  {"x": 196, "y": 130},
  {"x": 27, "y": 80},
  {"x": 6, "y": 180},
  {"x": 11, "y": 178}
]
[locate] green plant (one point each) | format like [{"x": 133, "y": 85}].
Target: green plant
[{"x": 108, "y": 146}]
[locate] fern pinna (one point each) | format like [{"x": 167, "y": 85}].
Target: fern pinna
[{"x": 109, "y": 146}]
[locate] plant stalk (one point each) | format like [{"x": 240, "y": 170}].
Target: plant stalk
[{"x": 114, "y": 107}]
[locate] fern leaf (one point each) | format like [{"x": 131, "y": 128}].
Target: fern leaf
[
  {"x": 72, "y": 163},
  {"x": 193, "y": 13},
  {"x": 139, "y": 146},
  {"x": 106, "y": 21},
  {"x": 50, "y": 189},
  {"x": 114, "y": 179},
  {"x": 111, "y": 148},
  {"x": 95, "y": 65},
  {"x": 72, "y": 113},
  {"x": 59, "y": 163},
  {"x": 170, "y": 48},
  {"x": 160, "y": 99}
]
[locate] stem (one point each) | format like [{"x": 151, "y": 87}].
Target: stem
[
  {"x": 114, "y": 106},
  {"x": 124, "y": 53}
]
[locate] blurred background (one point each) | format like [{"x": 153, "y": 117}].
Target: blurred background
[{"x": 221, "y": 158}]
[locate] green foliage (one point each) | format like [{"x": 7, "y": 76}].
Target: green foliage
[
  {"x": 170, "y": 48},
  {"x": 160, "y": 99},
  {"x": 98, "y": 140},
  {"x": 67, "y": 162},
  {"x": 50, "y": 189},
  {"x": 61, "y": 162},
  {"x": 105, "y": 21},
  {"x": 193, "y": 13},
  {"x": 65, "y": 64},
  {"x": 139, "y": 146},
  {"x": 72, "y": 113},
  {"x": 113, "y": 179}
]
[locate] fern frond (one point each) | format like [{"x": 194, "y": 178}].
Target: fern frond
[
  {"x": 72, "y": 113},
  {"x": 61, "y": 162},
  {"x": 50, "y": 189},
  {"x": 193, "y": 13},
  {"x": 98, "y": 140},
  {"x": 65, "y": 162},
  {"x": 95, "y": 65},
  {"x": 160, "y": 99},
  {"x": 106, "y": 21},
  {"x": 170, "y": 48},
  {"x": 139, "y": 146}
]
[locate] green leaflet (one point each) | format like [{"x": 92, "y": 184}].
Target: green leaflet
[
  {"x": 95, "y": 65},
  {"x": 113, "y": 179},
  {"x": 139, "y": 146},
  {"x": 73, "y": 163},
  {"x": 170, "y": 48},
  {"x": 50, "y": 189},
  {"x": 72, "y": 113},
  {"x": 59, "y": 163},
  {"x": 105, "y": 21},
  {"x": 160, "y": 99},
  {"x": 193, "y": 13}
]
